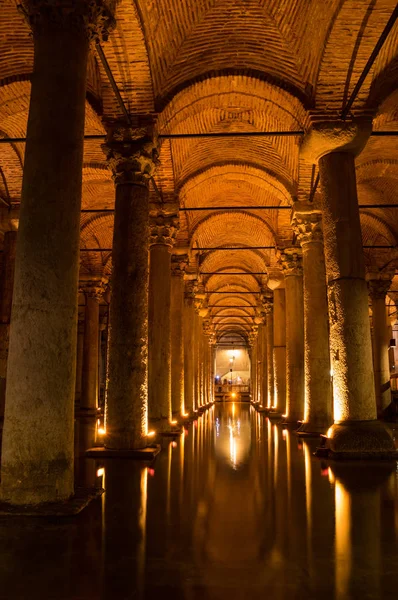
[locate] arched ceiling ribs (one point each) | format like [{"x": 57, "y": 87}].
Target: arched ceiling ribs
[
  {"x": 334, "y": 84},
  {"x": 221, "y": 229},
  {"x": 213, "y": 260},
  {"x": 264, "y": 177}
]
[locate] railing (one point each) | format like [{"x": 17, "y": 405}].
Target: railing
[{"x": 235, "y": 388}]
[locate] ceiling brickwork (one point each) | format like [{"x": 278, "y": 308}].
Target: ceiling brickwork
[{"x": 224, "y": 66}]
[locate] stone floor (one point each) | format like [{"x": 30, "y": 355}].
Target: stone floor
[{"x": 235, "y": 508}]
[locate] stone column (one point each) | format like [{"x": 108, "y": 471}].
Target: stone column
[
  {"x": 163, "y": 230},
  {"x": 378, "y": 288},
  {"x": 268, "y": 308},
  {"x": 189, "y": 332},
  {"x": 279, "y": 357},
  {"x": 7, "y": 284},
  {"x": 355, "y": 431},
  {"x": 79, "y": 361},
  {"x": 318, "y": 409},
  {"x": 178, "y": 266},
  {"x": 264, "y": 367},
  {"x": 37, "y": 451},
  {"x": 90, "y": 373},
  {"x": 253, "y": 363},
  {"x": 292, "y": 269},
  {"x": 131, "y": 154},
  {"x": 259, "y": 395}
]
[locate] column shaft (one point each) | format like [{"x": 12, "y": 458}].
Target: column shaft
[
  {"x": 264, "y": 366},
  {"x": 7, "y": 284},
  {"x": 126, "y": 407},
  {"x": 381, "y": 363},
  {"x": 318, "y": 388},
  {"x": 270, "y": 359},
  {"x": 177, "y": 342},
  {"x": 279, "y": 357},
  {"x": 37, "y": 451},
  {"x": 89, "y": 400},
  {"x": 189, "y": 368},
  {"x": 159, "y": 371},
  {"x": 291, "y": 259}
]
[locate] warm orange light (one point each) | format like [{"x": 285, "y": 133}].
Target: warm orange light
[
  {"x": 185, "y": 414},
  {"x": 100, "y": 472},
  {"x": 173, "y": 422},
  {"x": 233, "y": 395},
  {"x": 151, "y": 433},
  {"x": 101, "y": 431},
  {"x": 329, "y": 432}
]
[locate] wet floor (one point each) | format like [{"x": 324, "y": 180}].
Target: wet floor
[{"x": 235, "y": 508}]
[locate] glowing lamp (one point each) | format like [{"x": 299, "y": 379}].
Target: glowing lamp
[
  {"x": 233, "y": 395},
  {"x": 173, "y": 422},
  {"x": 101, "y": 431},
  {"x": 150, "y": 433},
  {"x": 100, "y": 472}
]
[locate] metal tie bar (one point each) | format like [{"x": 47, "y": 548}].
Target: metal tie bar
[{"x": 102, "y": 136}]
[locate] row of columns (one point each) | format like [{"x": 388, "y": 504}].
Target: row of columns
[{"x": 323, "y": 368}]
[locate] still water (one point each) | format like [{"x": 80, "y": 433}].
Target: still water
[{"x": 234, "y": 508}]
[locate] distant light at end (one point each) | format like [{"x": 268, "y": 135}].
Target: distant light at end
[
  {"x": 101, "y": 431},
  {"x": 233, "y": 395}
]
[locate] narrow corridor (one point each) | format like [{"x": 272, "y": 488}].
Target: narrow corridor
[{"x": 234, "y": 508}]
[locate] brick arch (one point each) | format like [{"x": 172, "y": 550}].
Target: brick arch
[
  {"x": 221, "y": 229},
  {"x": 354, "y": 32},
  {"x": 253, "y": 260},
  {"x": 96, "y": 231},
  {"x": 375, "y": 231}
]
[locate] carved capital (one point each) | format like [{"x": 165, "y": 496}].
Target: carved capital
[
  {"x": 179, "y": 263},
  {"x": 291, "y": 261},
  {"x": 132, "y": 151},
  {"x": 93, "y": 289},
  {"x": 268, "y": 303},
  {"x": 163, "y": 229},
  {"x": 208, "y": 328},
  {"x": 92, "y": 18},
  {"x": 335, "y": 135},
  {"x": 307, "y": 223},
  {"x": 378, "y": 288},
  {"x": 189, "y": 291}
]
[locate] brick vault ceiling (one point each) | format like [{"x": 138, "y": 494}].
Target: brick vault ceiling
[{"x": 224, "y": 66}]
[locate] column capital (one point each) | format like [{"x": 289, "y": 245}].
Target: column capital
[
  {"x": 93, "y": 289},
  {"x": 378, "y": 285},
  {"x": 9, "y": 219},
  {"x": 252, "y": 336},
  {"x": 92, "y": 18},
  {"x": 189, "y": 290},
  {"x": 163, "y": 229},
  {"x": 132, "y": 150},
  {"x": 179, "y": 263},
  {"x": 291, "y": 261},
  {"x": 307, "y": 222},
  {"x": 335, "y": 135},
  {"x": 268, "y": 303}
]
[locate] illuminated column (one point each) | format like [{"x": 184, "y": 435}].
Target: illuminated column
[
  {"x": 163, "y": 229},
  {"x": 7, "y": 284},
  {"x": 133, "y": 162},
  {"x": 355, "y": 430},
  {"x": 90, "y": 372},
  {"x": 268, "y": 308},
  {"x": 178, "y": 266},
  {"x": 253, "y": 362},
  {"x": 292, "y": 269},
  {"x": 189, "y": 332},
  {"x": 259, "y": 397},
  {"x": 279, "y": 350},
  {"x": 37, "y": 447},
  {"x": 378, "y": 289},
  {"x": 318, "y": 415}
]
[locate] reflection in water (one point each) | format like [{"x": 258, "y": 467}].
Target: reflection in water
[{"x": 235, "y": 507}]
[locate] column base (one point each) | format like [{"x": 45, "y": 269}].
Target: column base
[
  {"x": 358, "y": 440},
  {"x": 80, "y": 499},
  {"x": 274, "y": 415},
  {"x": 309, "y": 429},
  {"x": 147, "y": 453}
]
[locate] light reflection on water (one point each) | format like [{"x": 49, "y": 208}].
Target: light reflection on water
[{"x": 234, "y": 507}]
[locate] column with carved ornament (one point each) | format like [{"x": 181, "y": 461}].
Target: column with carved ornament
[
  {"x": 179, "y": 263},
  {"x": 291, "y": 259},
  {"x": 163, "y": 230},
  {"x": 318, "y": 408},
  {"x": 132, "y": 155},
  {"x": 37, "y": 450}
]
